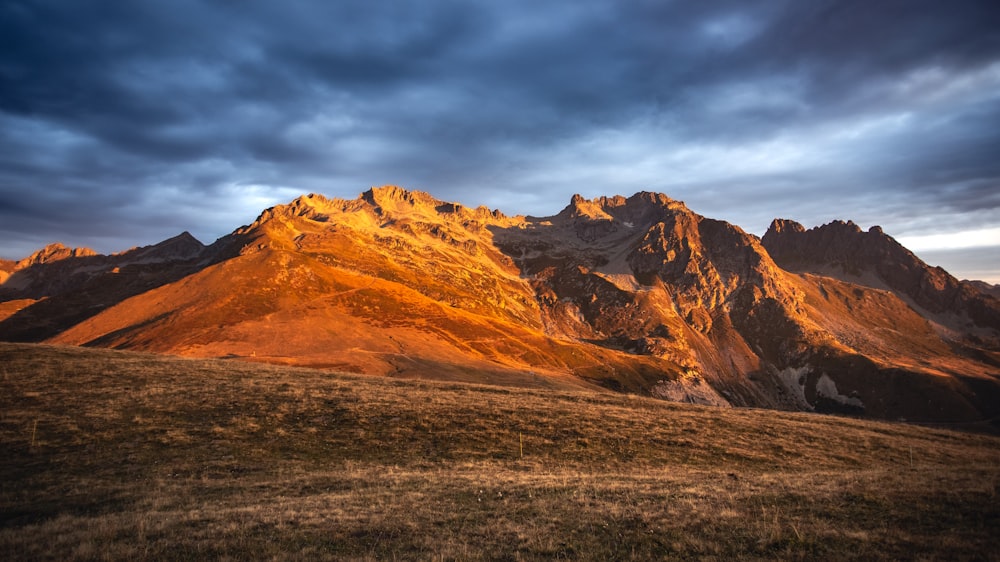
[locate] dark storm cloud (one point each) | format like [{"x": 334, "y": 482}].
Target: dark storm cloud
[{"x": 125, "y": 122}]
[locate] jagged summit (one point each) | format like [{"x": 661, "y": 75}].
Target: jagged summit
[
  {"x": 642, "y": 207},
  {"x": 836, "y": 228},
  {"x": 579, "y": 207},
  {"x": 394, "y": 199},
  {"x": 378, "y": 204},
  {"x": 839, "y": 243},
  {"x": 392, "y": 196},
  {"x": 779, "y": 226}
]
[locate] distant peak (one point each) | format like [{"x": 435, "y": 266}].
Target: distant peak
[
  {"x": 182, "y": 240},
  {"x": 55, "y": 252},
  {"x": 781, "y": 226},
  {"x": 642, "y": 208},
  {"x": 184, "y": 237}
]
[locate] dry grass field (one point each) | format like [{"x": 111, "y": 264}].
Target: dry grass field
[{"x": 119, "y": 456}]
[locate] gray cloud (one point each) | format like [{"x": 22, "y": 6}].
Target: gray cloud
[
  {"x": 979, "y": 263},
  {"x": 123, "y": 123}
]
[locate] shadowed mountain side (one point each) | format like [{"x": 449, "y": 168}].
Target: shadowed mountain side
[
  {"x": 875, "y": 259},
  {"x": 56, "y": 288},
  {"x": 966, "y": 317}
]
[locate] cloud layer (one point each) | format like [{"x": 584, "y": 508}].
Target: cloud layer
[{"x": 127, "y": 122}]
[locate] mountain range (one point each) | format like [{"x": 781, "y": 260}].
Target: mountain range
[{"x": 632, "y": 294}]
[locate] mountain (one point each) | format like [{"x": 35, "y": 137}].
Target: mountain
[
  {"x": 57, "y": 287},
  {"x": 987, "y": 288},
  {"x": 842, "y": 250},
  {"x": 636, "y": 294}
]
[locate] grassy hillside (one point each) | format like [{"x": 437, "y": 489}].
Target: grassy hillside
[{"x": 111, "y": 455}]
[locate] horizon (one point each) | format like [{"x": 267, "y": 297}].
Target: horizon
[{"x": 196, "y": 116}]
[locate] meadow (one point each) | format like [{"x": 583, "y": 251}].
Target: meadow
[{"x": 110, "y": 455}]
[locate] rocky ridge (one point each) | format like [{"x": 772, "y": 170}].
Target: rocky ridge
[{"x": 875, "y": 259}]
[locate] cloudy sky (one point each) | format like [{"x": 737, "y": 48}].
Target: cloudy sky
[{"x": 125, "y": 122}]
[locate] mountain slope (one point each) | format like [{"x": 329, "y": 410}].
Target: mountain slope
[{"x": 638, "y": 294}]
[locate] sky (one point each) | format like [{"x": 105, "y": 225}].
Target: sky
[{"x": 125, "y": 122}]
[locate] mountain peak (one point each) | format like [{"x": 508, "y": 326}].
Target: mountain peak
[
  {"x": 779, "y": 226},
  {"x": 183, "y": 237},
  {"x": 393, "y": 199},
  {"x": 580, "y": 207},
  {"x": 389, "y": 196},
  {"x": 654, "y": 198},
  {"x": 181, "y": 246},
  {"x": 641, "y": 208},
  {"x": 54, "y": 252},
  {"x": 848, "y": 226},
  {"x": 305, "y": 205}
]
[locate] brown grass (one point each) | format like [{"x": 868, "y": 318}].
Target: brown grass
[{"x": 113, "y": 456}]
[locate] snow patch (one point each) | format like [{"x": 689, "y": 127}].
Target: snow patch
[
  {"x": 826, "y": 388},
  {"x": 794, "y": 380}
]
